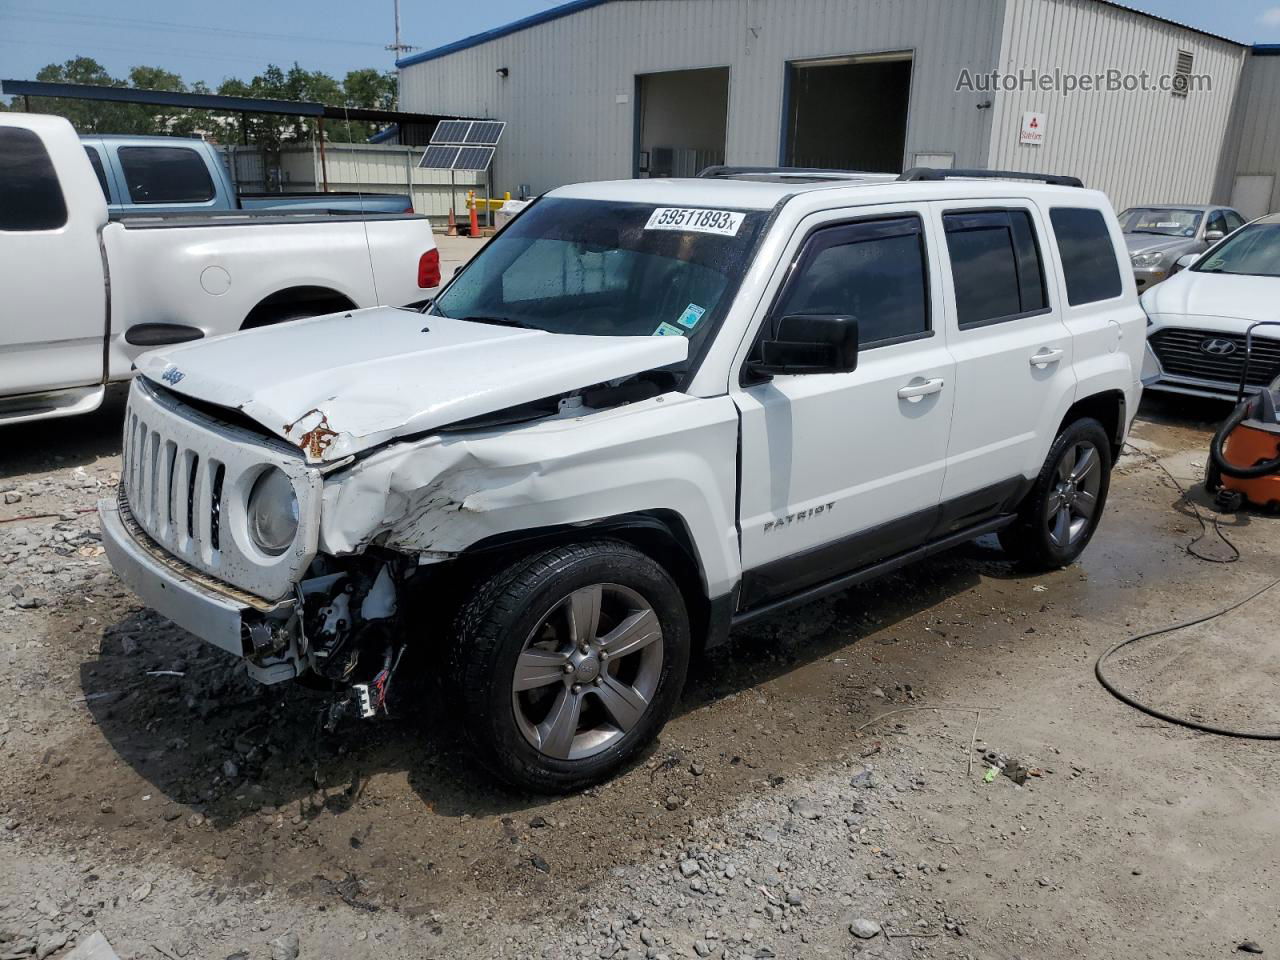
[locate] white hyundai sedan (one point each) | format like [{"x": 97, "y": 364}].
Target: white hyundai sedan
[{"x": 1198, "y": 317}]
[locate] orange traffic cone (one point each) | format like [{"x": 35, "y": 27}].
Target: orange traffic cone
[
  {"x": 452, "y": 229},
  {"x": 475, "y": 219}
]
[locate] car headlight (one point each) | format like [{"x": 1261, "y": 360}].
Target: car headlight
[
  {"x": 1152, "y": 259},
  {"x": 273, "y": 512}
]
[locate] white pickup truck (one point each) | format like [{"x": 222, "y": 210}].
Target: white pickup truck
[
  {"x": 646, "y": 412},
  {"x": 83, "y": 294}
]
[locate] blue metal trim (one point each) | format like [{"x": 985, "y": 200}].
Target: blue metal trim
[
  {"x": 1266, "y": 49},
  {"x": 546, "y": 16}
]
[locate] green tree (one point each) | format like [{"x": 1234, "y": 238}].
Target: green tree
[
  {"x": 87, "y": 116},
  {"x": 367, "y": 88}
]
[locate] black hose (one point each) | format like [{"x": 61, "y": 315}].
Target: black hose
[
  {"x": 1217, "y": 449},
  {"x": 1204, "y": 525},
  {"x": 1168, "y": 717}
]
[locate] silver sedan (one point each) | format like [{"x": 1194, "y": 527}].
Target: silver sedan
[{"x": 1159, "y": 235}]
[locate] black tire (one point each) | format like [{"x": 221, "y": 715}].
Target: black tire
[
  {"x": 1029, "y": 540},
  {"x": 499, "y": 616}
]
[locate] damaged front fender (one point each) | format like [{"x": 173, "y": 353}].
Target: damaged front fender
[{"x": 445, "y": 493}]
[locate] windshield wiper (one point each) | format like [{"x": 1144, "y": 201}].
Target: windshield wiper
[
  {"x": 499, "y": 321},
  {"x": 1157, "y": 233}
]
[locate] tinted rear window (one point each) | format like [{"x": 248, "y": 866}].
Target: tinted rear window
[
  {"x": 1088, "y": 256},
  {"x": 995, "y": 266},
  {"x": 30, "y": 195},
  {"x": 165, "y": 175}
]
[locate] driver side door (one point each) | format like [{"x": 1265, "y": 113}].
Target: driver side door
[{"x": 840, "y": 470}]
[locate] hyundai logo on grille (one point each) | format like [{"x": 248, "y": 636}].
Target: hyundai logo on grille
[{"x": 1218, "y": 347}]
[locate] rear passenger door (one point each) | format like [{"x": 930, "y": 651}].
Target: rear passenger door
[{"x": 1014, "y": 378}]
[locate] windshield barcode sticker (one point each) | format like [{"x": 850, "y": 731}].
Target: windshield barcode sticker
[{"x": 726, "y": 223}]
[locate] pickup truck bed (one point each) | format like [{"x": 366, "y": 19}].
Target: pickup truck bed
[
  {"x": 84, "y": 294},
  {"x": 231, "y": 218}
]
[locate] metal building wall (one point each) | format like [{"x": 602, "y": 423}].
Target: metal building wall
[
  {"x": 1138, "y": 147},
  {"x": 1253, "y": 144},
  {"x": 570, "y": 96}
]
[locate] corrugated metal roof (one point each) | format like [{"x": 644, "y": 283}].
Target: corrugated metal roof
[
  {"x": 576, "y": 6},
  {"x": 1175, "y": 23}
]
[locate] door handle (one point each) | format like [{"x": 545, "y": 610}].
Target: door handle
[
  {"x": 1047, "y": 356},
  {"x": 914, "y": 391}
]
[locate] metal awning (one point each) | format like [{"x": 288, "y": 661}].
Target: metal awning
[{"x": 220, "y": 103}]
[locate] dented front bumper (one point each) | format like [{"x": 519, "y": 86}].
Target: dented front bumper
[{"x": 230, "y": 619}]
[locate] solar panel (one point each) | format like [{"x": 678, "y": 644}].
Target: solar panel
[
  {"x": 473, "y": 158},
  {"x": 485, "y": 133},
  {"x": 437, "y": 157},
  {"x": 451, "y": 131}
]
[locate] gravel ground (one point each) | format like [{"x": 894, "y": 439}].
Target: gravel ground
[{"x": 822, "y": 791}]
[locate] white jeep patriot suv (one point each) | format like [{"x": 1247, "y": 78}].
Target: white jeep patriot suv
[{"x": 645, "y": 412}]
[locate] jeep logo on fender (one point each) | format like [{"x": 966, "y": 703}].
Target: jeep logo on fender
[{"x": 1217, "y": 347}]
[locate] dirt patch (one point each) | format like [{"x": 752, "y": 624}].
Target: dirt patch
[{"x": 135, "y": 755}]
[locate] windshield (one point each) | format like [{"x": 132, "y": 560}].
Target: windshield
[
  {"x": 1252, "y": 251},
  {"x": 1165, "y": 222},
  {"x": 608, "y": 269}
]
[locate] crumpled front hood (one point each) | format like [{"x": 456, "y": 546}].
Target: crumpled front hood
[
  {"x": 1192, "y": 293},
  {"x": 341, "y": 384}
]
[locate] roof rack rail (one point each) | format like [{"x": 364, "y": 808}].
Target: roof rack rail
[
  {"x": 723, "y": 172},
  {"x": 930, "y": 173}
]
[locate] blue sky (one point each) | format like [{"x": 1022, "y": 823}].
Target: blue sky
[{"x": 209, "y": 41}]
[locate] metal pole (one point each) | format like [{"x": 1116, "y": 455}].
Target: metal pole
[{"x": 324, "y": 167}]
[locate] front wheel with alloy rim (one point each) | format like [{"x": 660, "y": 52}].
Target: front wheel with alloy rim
[
  {"x": 1060, "y": 514},
  {"x": 568, "y": 662}
]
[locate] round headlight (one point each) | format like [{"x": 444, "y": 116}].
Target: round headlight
[{"x": 273, "y": 512}]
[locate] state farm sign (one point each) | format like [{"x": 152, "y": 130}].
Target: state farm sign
[{"x": 1032, "y": 129}]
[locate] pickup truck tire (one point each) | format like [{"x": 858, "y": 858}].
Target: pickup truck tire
[
  {"x": 1060, "y": 514},
  {"x": 567, "y": 662}
]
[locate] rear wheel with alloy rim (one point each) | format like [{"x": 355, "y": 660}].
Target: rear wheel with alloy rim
[
  {"x": 1060, "y": 514},
  {"x": 567, "y": 662}
]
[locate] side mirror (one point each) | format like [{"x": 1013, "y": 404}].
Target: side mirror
[
  {"x": 1213, "y": 236},
  {"x": 807, "y": 344},
  {"x": 1184, "y": 262}
]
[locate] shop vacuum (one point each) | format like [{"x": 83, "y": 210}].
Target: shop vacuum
[{"x": 1244, "y": 458}]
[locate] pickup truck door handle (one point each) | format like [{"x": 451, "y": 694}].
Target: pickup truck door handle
[
  {"x": 917, "y": 389},
  {"x": 1047, "y": 356}
]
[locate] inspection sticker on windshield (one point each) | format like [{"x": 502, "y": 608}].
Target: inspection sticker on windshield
[
  {"x": 667, "y": 330},
  {"x": 724, "y": 222},
  {"x": 692, "y": 314}
]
